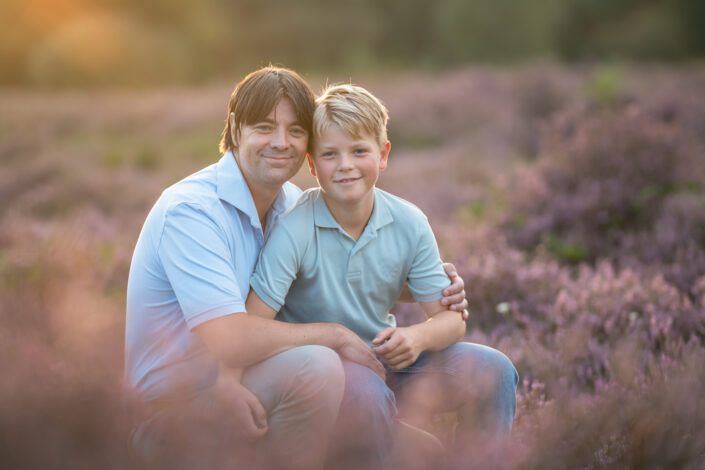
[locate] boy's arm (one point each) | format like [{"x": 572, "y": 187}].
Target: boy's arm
[
  {"x": 453, "y": 295},
  {"x": 403, "y": 345},
  {"x": 256, "y": 306}
]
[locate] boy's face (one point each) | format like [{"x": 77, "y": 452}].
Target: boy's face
[{"x": 347, "y": 167}]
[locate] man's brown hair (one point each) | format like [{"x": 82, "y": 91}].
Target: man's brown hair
[{"x": 257, "y": 95}]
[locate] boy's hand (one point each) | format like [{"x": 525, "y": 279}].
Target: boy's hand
[
  {"x": 454, "y": 294},
  {"x": 401, "y": 349}
]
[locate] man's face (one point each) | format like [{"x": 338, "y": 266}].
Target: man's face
[{"x": 271, "y": 151}]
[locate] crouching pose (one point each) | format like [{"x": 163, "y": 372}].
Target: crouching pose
[
  {"x": 344, "y": 254},
  {"x": 186, "y": 317}
]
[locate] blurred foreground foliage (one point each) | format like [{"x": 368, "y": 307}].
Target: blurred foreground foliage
[
  {"x": 569, "y": 198},
  {"x": 139, "y": 43}
]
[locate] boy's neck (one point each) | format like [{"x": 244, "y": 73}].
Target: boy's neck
[{"x": 352, "y": 218}]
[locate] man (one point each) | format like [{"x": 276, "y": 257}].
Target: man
[{"x": 187, "y": 286}]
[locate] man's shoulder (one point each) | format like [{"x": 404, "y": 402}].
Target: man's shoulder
[
  {"x": 197, "y": 189},
  {"x": 199, "y": 186}
]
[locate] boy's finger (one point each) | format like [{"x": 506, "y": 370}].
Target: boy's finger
[
  {"x": 400, "y": 363},
  {"x": 391, "y": 344},
  {"x": 383, "y": 335}
]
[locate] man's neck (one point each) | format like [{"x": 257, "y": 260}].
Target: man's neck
[
  {"x": 264, "y": 197},
  {"x": 352, "y": 218}
]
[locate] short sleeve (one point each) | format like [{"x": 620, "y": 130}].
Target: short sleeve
[
  {"x": 277, "y": 267},
  {"x": 427, "y": 278},
  {"x": 195, "y": 255}
]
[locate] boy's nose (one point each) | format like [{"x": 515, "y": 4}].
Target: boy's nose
[{"x": 345, "y": 162}]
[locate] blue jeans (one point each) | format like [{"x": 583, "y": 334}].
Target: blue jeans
[{"x": 477, "y": 382}]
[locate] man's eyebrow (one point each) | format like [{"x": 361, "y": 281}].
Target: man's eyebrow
[{"x": 269, "y": 120}]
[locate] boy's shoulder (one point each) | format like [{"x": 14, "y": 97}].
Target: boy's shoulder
[
  {"x": 402, "y": 210},
  {"x": 300, "y": 215}
]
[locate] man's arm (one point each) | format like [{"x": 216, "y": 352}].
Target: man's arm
[
  {"x": 403, "y": 345},
  {"x": 241, "y": 340}
]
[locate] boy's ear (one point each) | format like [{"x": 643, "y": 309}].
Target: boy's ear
[
  {"x": 384, "y": 155},
  {"x": 311, "y": 168}
]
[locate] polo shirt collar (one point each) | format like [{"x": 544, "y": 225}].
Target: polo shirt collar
[
  {"x": 381, "y": 215},
  {"x": 232, "y": 188}
]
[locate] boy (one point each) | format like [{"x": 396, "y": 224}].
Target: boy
[{"x": 343, "y": 254}]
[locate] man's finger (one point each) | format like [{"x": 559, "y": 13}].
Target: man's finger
[
  {"x": 454, "y": 300},
  {"x": 377, "y": 368},
  {"x": 450, "y": 269},
  {"x": 258, "y": 412}
]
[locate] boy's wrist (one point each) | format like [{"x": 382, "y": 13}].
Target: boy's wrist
[{"x": 418, "y": 338}]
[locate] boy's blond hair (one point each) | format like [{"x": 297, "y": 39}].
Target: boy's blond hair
[{"x": 353, "y": 109}]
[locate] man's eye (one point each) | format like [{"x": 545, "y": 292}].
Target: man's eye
[
  {"x": 298, "y": 132},
  {"x": 263, "y": 127}
]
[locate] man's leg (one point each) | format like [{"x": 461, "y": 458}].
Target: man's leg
[
  {"x": 477, "y": 382},
  {"x": 364, "y": 432},
  {"x": 301, "y": 389}
]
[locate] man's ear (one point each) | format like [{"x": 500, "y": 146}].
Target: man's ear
[
  {"x": 383, "y": 155},
  {"x": 311, "y": 168},
  {"x": 234, "y": 132}
]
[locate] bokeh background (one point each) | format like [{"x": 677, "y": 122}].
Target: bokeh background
[{"x": 558, "y": 148}]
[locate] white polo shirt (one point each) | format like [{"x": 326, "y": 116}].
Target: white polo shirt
[{"x": 192, "y": 263}]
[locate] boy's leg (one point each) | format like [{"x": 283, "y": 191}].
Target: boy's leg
[
  {"x": 477, "y": 382},
  {"x": 364, "y": 431},
  {"x": 301, "y": 389}
]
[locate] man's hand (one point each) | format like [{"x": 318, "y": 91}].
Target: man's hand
[
  {"x": 454, "y": 294},
  {"x": 247, "y": 412},
  {"x": 352, "y": 348},
  {"x": 401, "y": 349}
]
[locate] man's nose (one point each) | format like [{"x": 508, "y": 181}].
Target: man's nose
[{"x": 280, "y": 138}]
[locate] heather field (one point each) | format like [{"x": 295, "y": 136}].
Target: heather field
[{"x": 571, "y": 199}]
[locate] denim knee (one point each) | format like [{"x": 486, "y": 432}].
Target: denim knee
[{"x": 368, "y": 407}]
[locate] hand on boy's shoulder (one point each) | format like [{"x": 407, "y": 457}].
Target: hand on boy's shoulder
[{"x": 454, "y": 294}]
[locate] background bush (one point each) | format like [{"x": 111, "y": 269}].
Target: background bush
[{"x": 575, "y": 217}]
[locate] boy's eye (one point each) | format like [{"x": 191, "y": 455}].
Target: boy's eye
[
  {"x": 360, "y": 151},
  {"x": 327, "y": 154}
]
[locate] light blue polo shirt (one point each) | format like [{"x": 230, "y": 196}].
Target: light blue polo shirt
[
  {"x": 310, "y": 270},
  {"x": 192, "y": 263}
]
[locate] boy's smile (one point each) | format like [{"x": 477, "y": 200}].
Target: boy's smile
[{"x": 347, "y": 167}]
